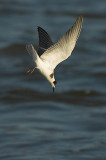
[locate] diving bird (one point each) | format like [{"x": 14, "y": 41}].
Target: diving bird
[{"x": 50, "y": 54}]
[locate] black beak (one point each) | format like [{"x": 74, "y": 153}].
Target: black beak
[{"x": 53, "y": 89}]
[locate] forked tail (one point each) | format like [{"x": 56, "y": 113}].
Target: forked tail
[{"x": 32, "y": 52}]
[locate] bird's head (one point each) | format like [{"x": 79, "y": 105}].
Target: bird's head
[{"x": 52, "y": 80}]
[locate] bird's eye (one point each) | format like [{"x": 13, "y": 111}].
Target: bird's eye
[{"x": 55, "y": 82}]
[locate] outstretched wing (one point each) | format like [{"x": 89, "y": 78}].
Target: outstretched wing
[
  {"x": 44, "y": 41},
  {"x": 63, "y": 48}
]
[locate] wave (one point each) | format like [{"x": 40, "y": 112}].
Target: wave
[{"x": 77, "y": 97}]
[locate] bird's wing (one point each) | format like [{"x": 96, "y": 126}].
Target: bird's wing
[
  {"x": 63, "y": 48},
  {"x": 44, "y": 41}
]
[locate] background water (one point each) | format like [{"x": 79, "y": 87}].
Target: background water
[{"x": 34, "y": 122}]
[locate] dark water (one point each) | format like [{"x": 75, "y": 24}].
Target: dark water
[{"x": 34, "y": 123}]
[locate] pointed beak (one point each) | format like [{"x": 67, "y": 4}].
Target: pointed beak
[{"x": 53, "y": 89}]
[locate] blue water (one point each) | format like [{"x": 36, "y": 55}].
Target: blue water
[{"x": 34, "y": 122}]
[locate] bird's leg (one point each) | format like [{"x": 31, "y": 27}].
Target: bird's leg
[{"x": 30, "y": 71}]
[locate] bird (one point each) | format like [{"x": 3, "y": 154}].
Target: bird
[{"x": 50, "y": 54}]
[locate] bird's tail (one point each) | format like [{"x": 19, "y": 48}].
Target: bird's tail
[{"x": 32, "y": 52}]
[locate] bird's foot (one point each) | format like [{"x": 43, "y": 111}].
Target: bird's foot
[{"x": 30, "y": 71}]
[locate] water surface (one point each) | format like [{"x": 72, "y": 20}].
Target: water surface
[{"x": 34, "y": 122}]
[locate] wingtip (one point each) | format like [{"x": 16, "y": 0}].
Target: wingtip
[
  {"x": 80, "y": 17},
  {"x": 38, "y": 28}
]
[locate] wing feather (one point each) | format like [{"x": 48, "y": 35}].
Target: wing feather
[
  {"x": 64, "y": 47},
  {"x": 44, "y": 41}
]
